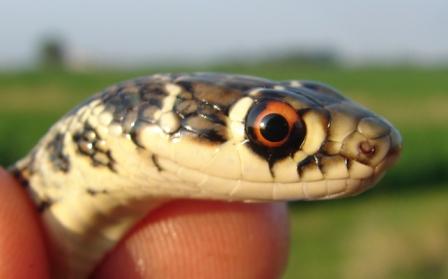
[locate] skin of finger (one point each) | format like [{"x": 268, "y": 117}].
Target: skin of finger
[
  {"x": 204, "y": 239},
  {"x": 22, "y": 248}
]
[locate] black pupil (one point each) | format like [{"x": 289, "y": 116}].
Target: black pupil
[{"x": 274, "y": 127}]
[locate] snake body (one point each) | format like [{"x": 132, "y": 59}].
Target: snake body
[{"x": 142, "y": 142}]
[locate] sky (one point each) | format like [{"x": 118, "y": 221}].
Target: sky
[{"x": 132, "y": 32}]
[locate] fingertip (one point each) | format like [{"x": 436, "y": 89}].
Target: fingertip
[
  {"x": 202, "y": 239},
  {"x": 22, "y": 249}
]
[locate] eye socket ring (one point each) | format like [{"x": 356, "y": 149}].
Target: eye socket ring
[{"x": 271, "y": 123}]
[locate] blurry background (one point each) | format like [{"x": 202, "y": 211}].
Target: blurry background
[{"x": 391, "y": 56}]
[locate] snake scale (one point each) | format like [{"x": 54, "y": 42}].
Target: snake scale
[{"x": 142, "y": 142}]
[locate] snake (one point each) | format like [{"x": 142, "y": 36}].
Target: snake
[{"x": 143, "y": 142}]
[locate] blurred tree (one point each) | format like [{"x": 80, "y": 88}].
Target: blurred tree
[{"x": 52, "y": 53}]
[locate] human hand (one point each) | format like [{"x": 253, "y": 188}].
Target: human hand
[{"x": 184, "y": 239}]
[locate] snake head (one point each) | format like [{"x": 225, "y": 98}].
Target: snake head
[{"x": 243, "y": 138}]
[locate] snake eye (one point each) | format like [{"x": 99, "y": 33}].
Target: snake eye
[{"x": 273, "y": 124}]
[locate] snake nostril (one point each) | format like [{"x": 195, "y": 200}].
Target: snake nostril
[{"x": 367, "y": 148}]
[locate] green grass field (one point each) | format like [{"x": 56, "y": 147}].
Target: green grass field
[{"x": 397, "y": 230}]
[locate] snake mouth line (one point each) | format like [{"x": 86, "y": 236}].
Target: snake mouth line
[{"x": 217, "y": 187}]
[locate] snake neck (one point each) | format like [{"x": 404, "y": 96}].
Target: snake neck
[{"x": 85, "y": 216}]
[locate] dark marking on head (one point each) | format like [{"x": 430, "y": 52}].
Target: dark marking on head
[
  {"x": 221, "y": 97},
  {"x": 21, "y": 176},
  {"x": 185, "y": 95},
  {"x": 155, "y": 161},
  {"x": 60, "y": 161},
  {"x": 93, "y": 192},
  {"x": 132, "y": 105},
  {"x": 121, "y": 103},
  {"x": 220, "y": 90},
  {"x": 111, "y": 161},
  {"x": 43, "y": 205},
  {"x": 271, "y": 167},
  {"x": 129, "y": 121},
  {"x": 307, "y": 163},
  {"x": 184, "y": 108},
  {"x": 153, "y": 94},
  {"x": 204, "y": 128},
  {"x": 186, "y": 85},
  {"x": 91, "y": 145},
  {"x": 210, "y": 113},
  {"x": 156, "y": 102},
  {"x": 151, "y": 90},
  {"x": 134, "y": 137},
  {"x": 349, "y": 163},
  {"x": 213, "y": 136},
  {"x": 24, "y": 170},
  {"x": 147, "y": 113}
]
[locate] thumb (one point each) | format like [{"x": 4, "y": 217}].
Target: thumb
[
  {"x": 203, "y": 239},
  {"x": 22, "y": 250}
]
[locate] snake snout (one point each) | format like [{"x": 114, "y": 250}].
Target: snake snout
[{"x": 375, "y": 141}]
